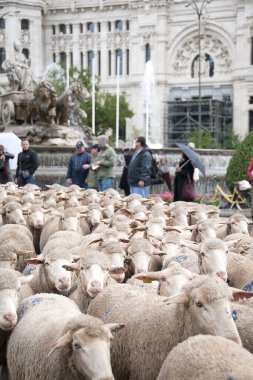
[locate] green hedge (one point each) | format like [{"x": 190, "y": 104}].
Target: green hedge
[{"x": 237, "y": 169}]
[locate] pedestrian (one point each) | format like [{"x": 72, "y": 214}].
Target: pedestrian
[
  {"x": 92, "y": 177},
  {"x": 139, "y": 169},
  {"x": 77, "y": 170},
  {"x": 164, "y": 170},
  {"x": 250, "y": 175},
  {"x": 183, "y": 183},
  {"x": 104, "y": 164},
  {"x": 5, "y": 172},
  {"x": 27, "y": 165},
  {"x": 123, "y": 184}
]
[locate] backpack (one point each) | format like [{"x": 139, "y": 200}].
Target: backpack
[{"x": 155, "y": 177}]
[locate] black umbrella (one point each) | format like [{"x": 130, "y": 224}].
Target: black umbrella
[{"x": 193, "y": 156}]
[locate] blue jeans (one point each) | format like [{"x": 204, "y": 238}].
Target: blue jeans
[
  {"x": 143, "y": 191},
  {"x": 23, "y": 181},
  {"x": 104, "y": 183}
]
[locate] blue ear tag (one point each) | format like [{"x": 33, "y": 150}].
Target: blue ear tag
[{"x": 234, "y": 315}]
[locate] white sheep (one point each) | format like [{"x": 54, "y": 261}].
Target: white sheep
[
  {"x": 59, "y": 342},
  {"x": 207, "y": 357},
  {"x": 151, "y": 331}
]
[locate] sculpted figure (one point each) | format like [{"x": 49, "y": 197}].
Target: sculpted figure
[
  {"x": 68, "y": 105},
  {"x": 18, "y": 70},
  {"x": 44, "y": 104}
]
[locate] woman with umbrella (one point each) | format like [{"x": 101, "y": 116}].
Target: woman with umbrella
[{"x": 184, "y": 184}]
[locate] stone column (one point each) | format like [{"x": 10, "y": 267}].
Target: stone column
[
  {"x": 104, "y": 51},
  {"x": 75, "y": 46}
]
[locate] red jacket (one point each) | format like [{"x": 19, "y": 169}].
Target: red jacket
[{"x": 250, "y": 170}]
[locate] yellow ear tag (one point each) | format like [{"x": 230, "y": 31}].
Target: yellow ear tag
[{"x": 147, "y": 280}]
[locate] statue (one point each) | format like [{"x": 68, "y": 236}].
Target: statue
[
  {"x": 18, "y": 70},
  {"x": 205, "y": 66},
  {"x": 68, "y": 105},
  {"x": 44, "y": 104}
]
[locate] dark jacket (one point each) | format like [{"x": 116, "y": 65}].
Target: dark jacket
[
  {"x": 75, "y": 168},
  {"x": 5, "y": 172},
  {"x": 139, "y": 168},
  {"x": 123, "y": 184},
  {"x": 27, "y": 160},
  {"x": 180, "y": 178}
]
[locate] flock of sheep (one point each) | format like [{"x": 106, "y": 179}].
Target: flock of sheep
[{"x": 98, "y": 286}]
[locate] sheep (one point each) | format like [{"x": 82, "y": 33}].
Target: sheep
[
  {"x": 64, "y": 239},
  {"x": 15, "y": 244},
  {"x": 207, "y": 357},
  {"x": 93, "y": 277},
  {"x": 36, "y": 220},
  {"x": 171, "y": 279},
  {"x": 244, "y": 246},
  {"x": 116, "y": 255},
  {"x": 12, "y": 213},
  {"x": 152, "y": 331},
  {"x": 204, "y": 230},
  {"x": 68, "y": 221},
  {"x": 67, "y": 345},
  {"x": 237, "y": 223},
  {"x": 240, "y": 270},
  {"x": 10, "y": 284},
  {"x": 49, "y": 276}
]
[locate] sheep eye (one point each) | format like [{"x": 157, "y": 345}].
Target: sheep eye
[
  {"x": 162, "y": 278},
  {"x": 198, "y": 303},
  {"x": 46, "y": 263},
  {"x": 77, "y": 346},
  {"x": 203, "y": 254}
]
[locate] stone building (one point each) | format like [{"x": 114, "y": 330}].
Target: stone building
[{"x": 163, "y": 94}]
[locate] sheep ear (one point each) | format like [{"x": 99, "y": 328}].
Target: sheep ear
[
  {"x": 115, "y": 326},
  {"x": 76, "y": 258},
  {"x": 239, "y": 293},
  {"x": 194, "y": 247},
  {"x": 117, "y": 270},
  {"x": 35, "y": 260},
  {"x": 25, "y": 279},
  {"x": 65, "y": 339},
  {"x": 179, "y": 298},
  {"x": 158, "y": 253},
  {"x": 124, "y": 240},
  {"x": 148, "y": 277},
  {"x": 71, "y": 267}
]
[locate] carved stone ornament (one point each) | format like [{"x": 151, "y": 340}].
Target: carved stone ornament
[
  {"x": 118, "y": 40},
  {"x": 2, "y": 36},
  {"x": 210, "y": 45},
  {"x": 62, "y": 41},
  {"x": 25, "y": 37}
]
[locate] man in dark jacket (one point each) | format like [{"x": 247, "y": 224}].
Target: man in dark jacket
[
  {"x": 77, "y": 166},
  {"x": 27, "y": 165},
  {"x": 139, "y": 170},
  {"x": 5, "y": 172}
]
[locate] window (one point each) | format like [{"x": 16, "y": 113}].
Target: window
[
  {"x": 63, "y": 58},
  {"x": 118, "y": 56},
  {"x": 226, "y": 98},
  {"x": 147, "y": 53},
  {"x": 2, "y": 23},
  {"x": 24, "y": 24},
  {"x": 70, "y": 28},
  {"x": 2, "y": 58},
  {"x": 26, "y": 53},
  {"x": 62, "y": 28},
  {"x": 251, "y": 51},
  {"x": 54, "y": 57},
  {"x": 127, "y": 62},
  {"x": 98, "y": 27},
  {"x": 90, "y": 27},
  {"x": 90, "y": 56},
  {"x": 250, "y": 121},
  {"x": 71, "y": 59},
  {"x": 251, "y": 100},
  {"x": 119, "y": 25},
  {"x": 99, "y": 63},
  {"x": 81, "y": 28},
  {"x": 53, "y": 29},
  {"x": 127, "y": 25},
  {"x": 109, "y": 26},
  {"x": 109, "y": 62},
  {"x": 81, "y": 60}
]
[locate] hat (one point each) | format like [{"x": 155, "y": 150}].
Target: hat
[
  {"x": 191, "y": 145},
  {"x": 95, "y": 146},
  {"x": 79, "y": 144}
]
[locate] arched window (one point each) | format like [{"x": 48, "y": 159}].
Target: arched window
[
  {"x": 2, "y": 58},
  {"x": 119, "y": 56},
  {"x": 90, "y": 56},
  {"x": 25, "y": 24},
  {"x": 62, "y": 28},
  {"x": 119, "y": 25},
  {"x": 26, "y": 53},
  {"x": 90, "y": 27},
  {"x": 63, "y": 58},
  {"x": 207, "y": 66},
  {"x": 147, "y": 53}
]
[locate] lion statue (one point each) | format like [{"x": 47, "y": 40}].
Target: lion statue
[
  {"x": 68, "y": 109},
  {"x": 44, "y": 104}
]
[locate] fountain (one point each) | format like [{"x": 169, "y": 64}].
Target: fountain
[{"x": 149, "y": 107}]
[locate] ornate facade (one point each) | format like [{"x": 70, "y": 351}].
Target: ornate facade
[{"x": 131, "y": 32}]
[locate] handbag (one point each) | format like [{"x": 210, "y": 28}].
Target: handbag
[
  {"x": 25, "y": 174},
  {"x": 187, "y": 191}
]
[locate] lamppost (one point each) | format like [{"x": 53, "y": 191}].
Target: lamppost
[{"x": 198, "y": 7}]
